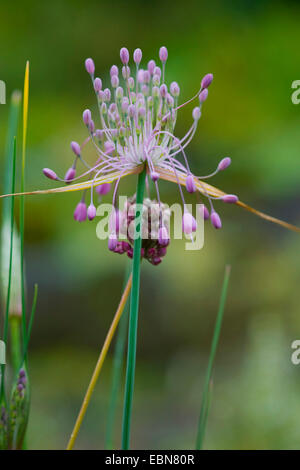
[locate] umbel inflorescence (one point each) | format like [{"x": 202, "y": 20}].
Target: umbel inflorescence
[{"x": 136, "y": 129}]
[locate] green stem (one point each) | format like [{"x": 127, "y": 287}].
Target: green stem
[
  {"x": 133, "y": 318},
  {"x": 2, "y": 392},
  {"x": 117, "y": 370},
  {"x": 206, "y": 390},
  {"x": 15, "y": 335}
]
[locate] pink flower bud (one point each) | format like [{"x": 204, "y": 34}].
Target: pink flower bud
[
  {"x": 50, "y": 174},
  {"x": 114, "y": 70},
  {"x": 91, "y": 212},
  {"x": 203, "y": 95},
  {"x": 190, "y": 184},
  {"x": 97, "y": 84},
  {"x": 124, "y": 55},
  {"x": 151, "y": 66},
  {"x": 230, "y": 198},
  {"x": 206, "y": 80},
  {"x": 163, "y": 91},
  {"x": 224, "y": 163},
  {"x": 103, "y": 189},
  {"x": 163, "y": 236},
  {"x": 137, "y": 56},
  {"x": 154, "y": 176},
  {"x": 80, "y": 212},
  {"x": 112, "y": 242},
  {"x": 163, "y": 54},
  {"x": 75, "y": 148},
  {"x": 70, "y": 175},
  {"x": 215, "y": 220},
  {"x": 196, "y": 113},
  {"x": 87, "y": 116},
  {"x": 174, "y": 88},
  {"x": 189, "y": 223},
  {"x": 90, "y": 66}
]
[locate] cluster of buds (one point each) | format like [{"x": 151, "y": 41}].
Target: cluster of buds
[{"x": 154, "y": 231}]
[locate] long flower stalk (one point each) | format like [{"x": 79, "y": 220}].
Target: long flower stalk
[
  {"x": 133, "y": 318},
  {"x": 117, "y": 372},
  {"x": 99, "y": 365}
]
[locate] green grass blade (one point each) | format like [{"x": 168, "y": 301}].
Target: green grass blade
[
  {"x": 117, "y": 371},
  {"x": 22, "y": 201},
  {"x": 15, "y": 296},
  {"x": 133, "y": 317},
  {"x": 5, "y": 330},
  {"x": 206, "y": 396},
  {"x": 31, "y": 320}
]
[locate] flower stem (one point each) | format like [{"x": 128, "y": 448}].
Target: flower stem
[
  {"x": 99, "y": 365},
  {"x": 133, "y": 318},
  {"x": 117, "y": 372}
]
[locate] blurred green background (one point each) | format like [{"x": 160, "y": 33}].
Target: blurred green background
[{"x": 252, "y": 48}]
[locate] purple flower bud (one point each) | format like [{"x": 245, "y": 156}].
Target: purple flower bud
[
  {"x": 151, "y": 66},
  {"x": 157, "y": 71},
  {"x": 97, "y": 84},
  {"x": 147, "y": 76},
  {"x": 22, "y": 373},
  {"x": 90, "y": 66},
  {"x": 174, "y": 88},
  {"x": 50, "y": 174},
  {"x": 205, "y": 213},
  {"x": 70, "y": 175},
  {"x": 114, "y": 70},
  {"x": 196, "y": 113},
  {"x": 189, "y": 223},
  {"x": 91, "y": 212},
  {"x": 112, "y": 242},
  {"x": 163, "y": 91},
  {"x": 154, "y": 176},
  {"x": 156, "y": 80},
  {"x": 107, "y": 94},
  {"x": 80, "y": 212},
  {"x": 163, "y": 236},
  {"x": 215, "y": 220},
  {"x": 224, "y": 163},
  {"x": 75, "y": 148},
  {"x": 156, "y": 261},
  {"x": 20, "y": 387},
  {"x": 87, "y": 116},
  {"x": 163, "y": 54},
  {"x": 206, "y": 80},
  {"x": 137, "y": 56},
  {"x": 203, "y": 95},
  {"x": 114, "y": 81},
  {"x": 91, "y": 125},
  {"x": 230, "y": 198},
  {"x": 103, "y": 189},
  {"x": 190, "y": 184},
  {"x": 124, "y": 55}
]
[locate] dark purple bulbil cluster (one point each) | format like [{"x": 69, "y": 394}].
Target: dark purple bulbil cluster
[{"x": 155, "y": 239}]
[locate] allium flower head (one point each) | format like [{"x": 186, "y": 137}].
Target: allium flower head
[{"x": 137, "y": 117}]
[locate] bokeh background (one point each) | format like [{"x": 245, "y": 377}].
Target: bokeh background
[{"x": 252, "y": 48}]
